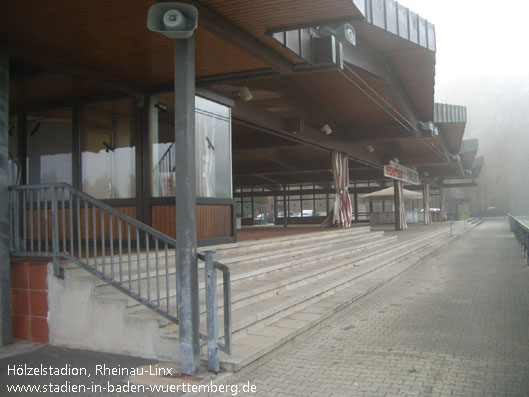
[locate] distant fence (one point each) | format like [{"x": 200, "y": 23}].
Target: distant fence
[{"x": 520, "y": 228}]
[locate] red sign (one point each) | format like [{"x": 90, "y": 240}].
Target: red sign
[{"x": 401, "y": 173}]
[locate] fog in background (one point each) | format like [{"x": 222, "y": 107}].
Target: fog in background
[{"x": 482, "y": 62}]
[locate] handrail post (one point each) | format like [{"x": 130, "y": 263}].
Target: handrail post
[
  {"x": 54, "y": 232},
  {"x": 527, "y": 247},
  {"x": 212, "y": 312}
]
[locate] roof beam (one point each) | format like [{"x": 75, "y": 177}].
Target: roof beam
[
  {"x": 366, "y": 58},
  {"x": 298, "y": 99},
  {"x": 265, "y": 121},
  {"x": 226, "y": 30},
  {"x": 265, "y": 147}
]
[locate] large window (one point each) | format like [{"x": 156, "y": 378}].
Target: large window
[
  {"x": 49, "y": 147},
  {"x": 108, "y": 150},
  {"x": 212, "y": 147}
]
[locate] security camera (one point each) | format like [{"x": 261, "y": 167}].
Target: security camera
[{"x": 174, "y": 20}]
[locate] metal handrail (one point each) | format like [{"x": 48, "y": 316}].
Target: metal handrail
[
  {"x": 521, "y": 233},
  {"x": 212, "y": 337},
  {"x": 17, "y": 169},
  {"x": 55, "y": 220}
]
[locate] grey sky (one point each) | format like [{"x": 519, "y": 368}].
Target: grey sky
[
  {"x": 482, "y": 57},
  {"x": 478, "y": 39}
]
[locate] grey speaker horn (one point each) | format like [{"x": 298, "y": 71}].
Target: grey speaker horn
[{"x": 174, "y": 20}]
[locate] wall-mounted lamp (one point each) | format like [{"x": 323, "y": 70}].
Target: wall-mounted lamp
[
  {"x": 370, "y": 148},
  {"x": 326, "y": 129},
  {"x": 245, "y": 94}
]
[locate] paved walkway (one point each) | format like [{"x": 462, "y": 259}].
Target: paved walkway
[{"x": 457, "y": 324}]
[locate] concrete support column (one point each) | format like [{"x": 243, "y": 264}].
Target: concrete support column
[
  {"x": 397, "y": 205},
  {"x": 442, "y": 204},
  {"x": 426, "y": 203},
  {"x": 186, "y": 229},
  {"x": 285, "y": 211},
  {"x": 5, "y": 279}
]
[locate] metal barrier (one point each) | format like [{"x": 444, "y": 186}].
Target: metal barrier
[
  {"x": 521, "y": 233},
  {"x": 58, "y": 221},
  {"x": 212, "y": 337}
]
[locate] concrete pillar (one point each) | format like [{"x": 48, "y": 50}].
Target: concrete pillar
[
  {"x": 186, "y": 228},
  {"x": 442, "y": 205},
  {"x": 426, "y": 203},
  {"x": 5, "y": 279},
  {"x": 397, "y": 199},
  {"x": 285, "y": 211}
]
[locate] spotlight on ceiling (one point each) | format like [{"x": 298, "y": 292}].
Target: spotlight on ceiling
[
  {"x": 326, "y": 129},
  {"x": 395, "y": 161},
  {"x": 346, "y": 34},
  {"x": 370, "y": 148},
  {"x": 245, "y": 94}
]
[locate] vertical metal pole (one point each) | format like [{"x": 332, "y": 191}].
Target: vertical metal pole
[
  {"x": 211, "y": 312},
  {"x": 397, "y": 204},
  {"x": 527, "y": 247},
  {"x": 5, "y": 280},
  {"x": 355, "y": 195},
  {"x": 54, "y": 231},
  {"x": 285, "y": 211},
  {"x": 425, "y": 204},
  {"x": 186, "y": 235}
]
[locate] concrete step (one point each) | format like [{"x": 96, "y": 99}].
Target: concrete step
[
  {"x": 262, "y": 269},
  {"x": 257, "y": 248},
  {"x": 250, "y": 245},
  {"x": 288, "y": 300},
  {"x": 254, "y": 282},
  {"x": 260, "y": 342},
  {"x": 279, "y": 247},
  {"x": 251, "y": 287},
  {"x": 281, "y": 290},
  {"x": 298, "y": 246}
]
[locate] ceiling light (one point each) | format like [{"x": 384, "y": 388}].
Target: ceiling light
[
  {"x": 370, "y": 148},
  {"x": 245, "y": 94},
  {"x": 326, "y": 129}
]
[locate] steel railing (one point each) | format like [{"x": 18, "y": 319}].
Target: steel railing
[
  {"x": 15, "y": 170},
  {"x": 521, "y": 233},
  {"x": 58, "y": 221},
  {"x": 165, "y": 166}
]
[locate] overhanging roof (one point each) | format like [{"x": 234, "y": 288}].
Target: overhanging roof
[{"x": 376, "y": 94}]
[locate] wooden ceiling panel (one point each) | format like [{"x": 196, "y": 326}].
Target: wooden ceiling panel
[
  {"x": 112, "y": 37},
  {"x": 48, "y": 89},
  {"x": 264, "y": 14},
  {"x": 342, "y": 100}
]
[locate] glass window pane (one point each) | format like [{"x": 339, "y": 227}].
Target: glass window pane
[
  {"x": 238, "y": 208},
  {"x": 212, "y": 147},
  {"x": 247, "y": 210},
  {"x": 295, "y": 208},
  {"x": 308, "y": 208},
  {"x": 320, "y": 207},
  {"x": 49, "y": 147},
  {"x": 108, "y": 150}
]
